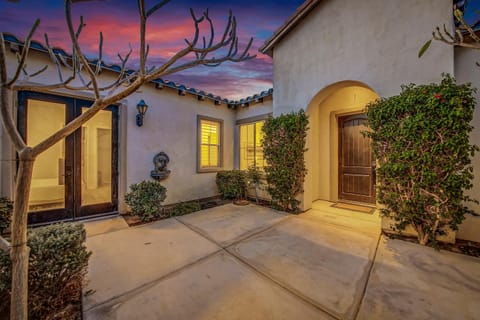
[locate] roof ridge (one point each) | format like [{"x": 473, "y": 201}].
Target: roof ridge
[{"x": 159, "y": 82}]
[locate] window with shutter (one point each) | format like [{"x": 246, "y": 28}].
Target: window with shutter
[{"x": 209, "y": 144}]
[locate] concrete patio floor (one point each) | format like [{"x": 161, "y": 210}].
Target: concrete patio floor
[{"x": 250, "y": 262}]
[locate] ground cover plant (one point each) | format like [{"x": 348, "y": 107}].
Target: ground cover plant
[
  {"x": 183, "y": 208},
  {"x": 421, "y": 142}
]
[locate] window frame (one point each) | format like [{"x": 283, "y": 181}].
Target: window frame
[{"x": 201, "y": 169}]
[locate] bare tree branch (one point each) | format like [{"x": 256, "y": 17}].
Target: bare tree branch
[
  {"x": 7, "y": 119},
  {"x": 77, "y": 50},
  {"x": 87, "y": 72},
  {"x": 5, "y": 246},
  {"x": 156, "y": 7},
  {"x": 24, "y": 54}
]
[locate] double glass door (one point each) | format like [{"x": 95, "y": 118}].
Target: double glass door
[{"x": 77, "y": 177}]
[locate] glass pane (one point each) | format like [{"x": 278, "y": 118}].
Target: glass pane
[
  {"x": 48, "y": 182},
  {"x": 247, "y": 146},
  {"x": 259, "y": 161},
  {"x": 204, "y": 160},
  {"x": 97, "y": 159}
]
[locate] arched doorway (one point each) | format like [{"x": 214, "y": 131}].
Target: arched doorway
[{"x": 338, "y": 159}]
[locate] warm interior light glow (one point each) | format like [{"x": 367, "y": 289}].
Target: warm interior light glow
[
  {"x": 97, "y": 159},
  {"x": 210, "y": 144},
  {"x": 48, "y": 181},
  {"x": 251, "y": 151}
]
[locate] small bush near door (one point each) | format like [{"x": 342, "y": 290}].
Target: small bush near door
[
  {"x": 57, "y": 267},
  {"x": 232, "y": 184},
  {"x": 421, "y": 142},
  {"x": 145, "y": 199},
  {"x": 284, "y": 139}
]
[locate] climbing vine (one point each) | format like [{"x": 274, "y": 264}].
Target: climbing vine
[{"x": 284, "y": 142}]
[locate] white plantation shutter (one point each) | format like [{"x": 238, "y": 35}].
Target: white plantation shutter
[{"x": 209, "y": 144}]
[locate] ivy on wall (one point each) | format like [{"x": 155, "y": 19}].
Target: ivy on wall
[
  {"x": 284, "y": 142},
  {"x": 421, "y": 141}
]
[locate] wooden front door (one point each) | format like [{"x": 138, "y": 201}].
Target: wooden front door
[
  {"x": 356, "y": 163},
  {"x": 77, "y": 177}
]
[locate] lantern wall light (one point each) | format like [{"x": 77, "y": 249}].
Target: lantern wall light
[{"x": 141, "y": 109}]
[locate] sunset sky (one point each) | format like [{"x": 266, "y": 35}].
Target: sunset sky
[{"x": 118, "y": 20}]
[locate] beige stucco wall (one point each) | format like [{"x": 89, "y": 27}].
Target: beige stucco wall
[
  {"x": 372, "y": 42},
  {"x": 467, "y": 71},
  {"x": 170, "y": 125},
  {"x": 255, "y": 110}
]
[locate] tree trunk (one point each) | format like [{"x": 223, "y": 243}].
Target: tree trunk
[{"x": 20, "y": 251}]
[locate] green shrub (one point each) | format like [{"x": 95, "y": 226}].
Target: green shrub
[
  {"x": 421, "y": 142},
  {"x": 6, "y": 208},
  {"x": 145, "y": 199},
  {"x": 232, "y": 184},
  {"x": 284, "y": 142},
  {"x": 185, "y": 208},
  {"x": 57, "y": 267}
]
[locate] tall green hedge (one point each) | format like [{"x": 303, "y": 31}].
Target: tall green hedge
[
  {"x": 284, "y": 139},
  {"x": 421, "y": 142}
]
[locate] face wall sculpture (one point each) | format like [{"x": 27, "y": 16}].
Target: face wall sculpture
[{"x": 160, "y": 162}]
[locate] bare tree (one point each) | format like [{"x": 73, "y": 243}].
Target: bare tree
[
  {"x": 83, "y": 75},
  {"x": 464, "y": 34}
]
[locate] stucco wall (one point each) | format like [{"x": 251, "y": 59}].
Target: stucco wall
[
  {"x": 170, "y": 125},
  {"x": 467, "y": 71},
  {"x": 372, "y": 41},
  {"x": 254, "y": 110}
]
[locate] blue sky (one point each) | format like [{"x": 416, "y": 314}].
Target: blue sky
[{"x": 118, "y": 21}]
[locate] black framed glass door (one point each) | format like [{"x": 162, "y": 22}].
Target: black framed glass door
[{"x": 77, "y": 177}]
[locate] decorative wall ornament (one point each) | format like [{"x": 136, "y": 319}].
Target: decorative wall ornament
[{"x": 160, "y": 162}]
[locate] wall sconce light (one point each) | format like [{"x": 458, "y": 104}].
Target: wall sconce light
[{"x": 142, "y": 109}]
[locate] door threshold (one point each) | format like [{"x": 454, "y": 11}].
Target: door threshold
[
  {"x": 353, "y": 207},
  {"x": 101, "y": 216},
  {"x": 358, "y": 203}
]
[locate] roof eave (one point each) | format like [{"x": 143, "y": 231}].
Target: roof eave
[{"x": 291, "y": 23}]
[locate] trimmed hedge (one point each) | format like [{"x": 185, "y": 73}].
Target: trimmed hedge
[
  {"x": 284, "y": 149},
  {"x": 232, "y": 184},
  {"x": 57, "y": 267},
  {"x": 421, "y": 142},
  {"x": 145, "y": 199}
]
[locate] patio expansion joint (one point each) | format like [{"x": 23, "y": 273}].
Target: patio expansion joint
[
  {"x": 240, "y": 239},
  {"x": 279, "y": 283},
  {"x": 132, "y": 292},
  {"x": 226, "y": 250},
  {"x": 369, "y": 274}
]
